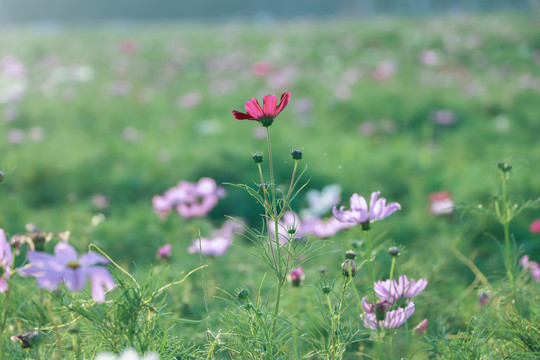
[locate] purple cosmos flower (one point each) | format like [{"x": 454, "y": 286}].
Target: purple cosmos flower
[
  {"x": 289, "y": 228},
  {"x": 531, "y": 266},
  {"x": 361, "y": 214},
  {"x": 66, "y": 266},
  {"x": 324, "y": 228},
  {"x": 394, "y": 291},
  {"x": 322, "y": 201},
  {"x": 212, "y": 247},
  {"x": 190, "y": 199},
  {"x": 6, "y": 260},
  {"x": 388, "y": 319}
]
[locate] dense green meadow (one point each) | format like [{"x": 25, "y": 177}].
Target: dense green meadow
[{"x": 106, "y": 118}]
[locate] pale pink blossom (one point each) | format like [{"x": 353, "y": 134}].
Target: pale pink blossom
[
  {"x": 164, "y": 252},
  {"x": 6, "y": 261},
  {"x": 531, "y": 266},
  {"x": 535, "y": 227},
  {"x": 421, "y": 328},
  {"x": 441, "y": 203},
  {"x": 361, "y": 214},
  {"x": 394, "y": 291}
]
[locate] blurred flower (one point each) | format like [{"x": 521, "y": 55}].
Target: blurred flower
[
  {"x": 384, "y": 70},
  {"x": 322, "y": 201},
  {"x": 66, "y": 266},
  {"x": 324, "y": 228},
  {"x": 259, "y": 133},
  {"x": 289, "y": 228},
  {"x": 129, "y": 47},
  {"x": 261, "y": 68},
  {"x": 121, "y": 88},
  {"x": 16, "y": 136},
  {"x": 343, "y": 92},
  {"x": 190, "y": 199},
  {"x": 420, "y": 329},
  {"x": 269, "y": 111},
  {"x": 189, "y": 100},
  {"x": 441, "y": 203},
  {"x": 212, "y": 247},
  {"x": 483, "y": 298},
  {"x": 429, "y": 58},
  {"x": 130, "y": 134},
  {"x": 164, "y": 252},
  {"x": 6, "y": 260},
  {"x": 535, "y": 227},
  {"x": 360, "y": 214},
  {"x": 100, "y": 201},
  {"x": 531, "y": 266},
  {"x": 367, "y": 128},
  {"x": 13, "y": 82},
  {"x": 395, "y": 291},
  {"x": 35, "y": 238},
  {"x": 127, "y": 354},
  {"x": 36, "y": 133},
  {"x": 296, "y": 276},
  {"x": 443, "y": 117}
]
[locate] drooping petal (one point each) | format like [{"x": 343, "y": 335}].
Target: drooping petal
[
  {"x": 75, "y": 279},
  {"x": 269, "y": 105},
  {"x": 241, "y": 116},
  {"x": 101, "y": 281},
  {"x": 64, "y": 252},
  {"x": 254, "y": 109},
  {"x": 285, "y": 97}
]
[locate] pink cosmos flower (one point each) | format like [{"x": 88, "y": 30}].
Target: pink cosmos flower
[
  {"x": 267, "y": 113},
  {"x": 382, "y": 319},
  {"x": 66, "y": 266},
  {"x": 394, "y": 291},
  {"x": 189, "y": 199},
  {"x": 6, "y": 260},
  {"x": 441, "y": 203},
  {"x": 421, "y": 328},
  {"x": 324, "y": 228},
  {"x": 164, "y": 252},
  {"x": 531, "y": 266},
  {"x": 361, "y": 214},
  {"x": 535, "y": 227}
]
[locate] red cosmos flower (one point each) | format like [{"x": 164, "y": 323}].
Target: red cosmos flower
[
  {"x": 269, "y": 111},
  {"x": 535, "y": 227}
]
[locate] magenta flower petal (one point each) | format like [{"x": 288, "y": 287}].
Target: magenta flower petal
[
  {"x": 269, "y": 105},
  {"x": 267, "y": 114},
  {"x": 285, "y": 98},
  {"x": 254, "y": 109}
]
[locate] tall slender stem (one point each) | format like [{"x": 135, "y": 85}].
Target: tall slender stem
[{"x": 505, "y": 220}]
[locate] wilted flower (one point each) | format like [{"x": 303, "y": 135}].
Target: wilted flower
[
  {"x": 403, "y": 288},
  {"x": 360, "y": 214},
  {"x": 269, "y": 111},
  {"x": 420, "y": 329},
  {"x": 441, "y": 203},
  {"x": 296, "y": 276},
  {"x": 128, "y": 354},
  {"x": 531, "y": 266},
  {"x": 66, "y": 266},
  {"x": 535, "y": 227},
  {"x": 164, "y": 252},
  {"x": 6, "y": 260}
]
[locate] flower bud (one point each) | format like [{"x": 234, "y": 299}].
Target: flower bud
[
  {"x": 243, "y": 294},
  {"x": 348, "y": 268},
  {"x": 263, "y": 188},
  {"x": 504, "y": 167},
  {"x": 323, "y": 270},
  {"x": 393, "y": 251},
  {"x": 257, "y": 158},
  {"x": 420, "y": 329},
  {"x": 296, "y": 276},
  {"x": 357, "y": 244},
  {"x": 350, "y": 254},
  {"x": 296, "y": 154},
  {"x": 326, "y": 289}
]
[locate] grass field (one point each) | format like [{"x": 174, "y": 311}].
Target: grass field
[{"x": 97, "y": 121}]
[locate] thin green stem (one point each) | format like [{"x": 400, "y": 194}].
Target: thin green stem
[
  {"x": 505, "y": 220},
  {"x": 392, "y": 268}
]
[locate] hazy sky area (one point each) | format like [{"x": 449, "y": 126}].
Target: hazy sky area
[{"x": 17, "y": 11}]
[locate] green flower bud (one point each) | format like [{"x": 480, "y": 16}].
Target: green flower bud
[
  {"x": 326, "y": 289},
  {"x": 504, "y": 167},
  {"x": 296, "y": 154},
  {"x": 243, "y": 294},
  {"x": 393, "y": 251},
  {"x": 350, "y": 254},
  {"x": 348, "y": 268},
  {"x": 257, "y": 158}
]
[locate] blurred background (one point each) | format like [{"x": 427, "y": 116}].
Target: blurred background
[{"x": 105, "y": 104}]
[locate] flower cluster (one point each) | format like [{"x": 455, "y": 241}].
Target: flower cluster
[
  {"x": 361, "y": 214},
  {"x": 394, "y": 306},
  {"x": 220, "y": 241},
  {"x": 189, "y": 199},
  {"x": 66, "y": 266},
  {"x": 531, "y": 266},
  {"x": 6, "y": 259}
]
